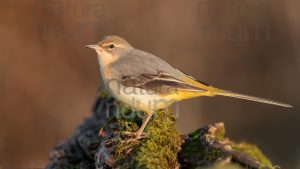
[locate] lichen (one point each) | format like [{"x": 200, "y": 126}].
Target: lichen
[{"x": 221, "y": 134}]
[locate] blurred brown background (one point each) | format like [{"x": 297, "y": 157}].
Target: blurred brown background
[{"x": 49, "y": 79}]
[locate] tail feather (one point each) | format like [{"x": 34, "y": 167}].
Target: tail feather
[{"x": 247, "y": 97}]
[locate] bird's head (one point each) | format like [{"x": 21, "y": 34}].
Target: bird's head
[
  {"x": 110, "y": 48},
  {"x": 110, "y": 44}
]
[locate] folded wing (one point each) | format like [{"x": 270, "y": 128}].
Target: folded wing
[{"x": 160, "y": 83}]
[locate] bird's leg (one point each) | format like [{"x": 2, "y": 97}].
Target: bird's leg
[{"x": 140, "y": 131}]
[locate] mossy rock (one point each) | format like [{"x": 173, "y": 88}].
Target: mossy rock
[
  {"x": 158, "y": 150},
  {"x": 253, "y": 151},
  {"x": 208, "y": 145},
  {"x": 105, "y": 140}
]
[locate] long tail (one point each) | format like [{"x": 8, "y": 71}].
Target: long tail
[{"x": 221, "y": 92}]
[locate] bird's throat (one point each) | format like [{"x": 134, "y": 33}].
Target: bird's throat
[{"x": 106, "y": 59}]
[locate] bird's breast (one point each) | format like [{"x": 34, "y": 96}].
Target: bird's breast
[{"x": 138, "y": 98}]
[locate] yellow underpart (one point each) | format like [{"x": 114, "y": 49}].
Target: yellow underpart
[
  {"x": 181, "y": 95},
  {"x": 211, "y": 91}
]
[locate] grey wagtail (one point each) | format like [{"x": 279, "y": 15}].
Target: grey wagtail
[{"x": 147, "y": 83}]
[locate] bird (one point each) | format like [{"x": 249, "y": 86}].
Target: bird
[{"x": 147, "y": 83}]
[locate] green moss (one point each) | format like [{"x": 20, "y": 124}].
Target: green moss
[
  {"x": 104, "y": 93},
  {"x": 254, "y": 152},
  {"x": 161, "y": 147},
  {"x": 158, "y": 150},
  {"x": 194, "y": 149},
  {"x": 208, "y": 145}
]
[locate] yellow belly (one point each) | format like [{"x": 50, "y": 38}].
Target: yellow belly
[
  {"x": 139, "y": 99},
  {"x": 143, "y": 100}
]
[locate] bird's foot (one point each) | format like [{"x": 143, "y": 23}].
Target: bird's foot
[
  {"x": 143, "y": 135},
  {"x": 137, "y": 135}
]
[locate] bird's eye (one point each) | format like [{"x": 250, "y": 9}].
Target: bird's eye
[{"x": 111, "y": 46}]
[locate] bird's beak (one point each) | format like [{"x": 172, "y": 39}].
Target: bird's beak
[{"x": 92, "y": 46}]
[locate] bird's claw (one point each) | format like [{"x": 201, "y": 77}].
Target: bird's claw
[{"x": 143, "y": 135}]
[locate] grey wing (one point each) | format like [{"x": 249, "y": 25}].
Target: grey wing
[
  {"x": 159, "y": 83},
  {"x": 143, "y": 70}
]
